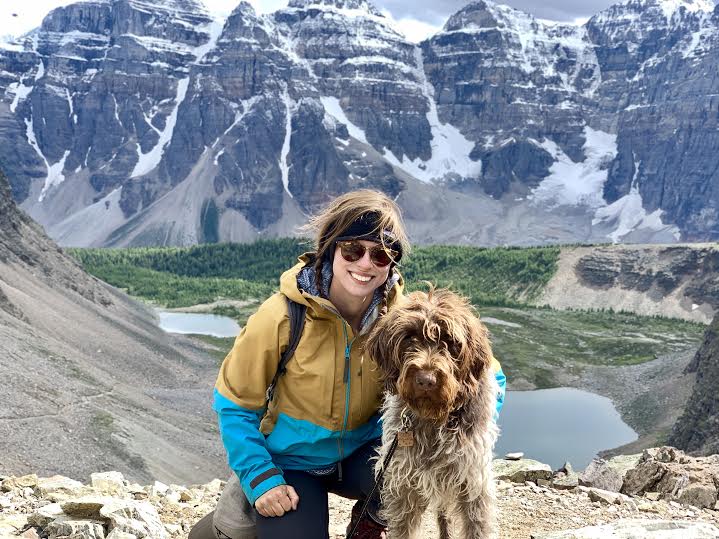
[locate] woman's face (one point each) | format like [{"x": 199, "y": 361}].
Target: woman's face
[{"x": 359, "y": 279}]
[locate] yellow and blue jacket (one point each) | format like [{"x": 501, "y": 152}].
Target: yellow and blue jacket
[{"x": 326, "y": 404}]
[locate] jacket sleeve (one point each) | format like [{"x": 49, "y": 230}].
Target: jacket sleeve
[
  {"x": 239, "y": 397},
  {"x": 502, "y": 383}
]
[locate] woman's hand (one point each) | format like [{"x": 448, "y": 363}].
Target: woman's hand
[{"x": 277, "y": 501}]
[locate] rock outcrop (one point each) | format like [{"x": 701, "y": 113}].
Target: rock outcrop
[
  {"x": 697, "y": 430},
  {"x": 675, "y": 477},
  {"x": 676, "y": 281}
]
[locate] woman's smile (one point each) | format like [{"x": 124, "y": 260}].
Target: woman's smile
[{"x": 361, "y": 278}]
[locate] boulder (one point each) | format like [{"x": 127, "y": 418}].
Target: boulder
[
  {"x": 676, "y": 477},
  {"x": 135, "y": 517},
  {"x": 602, "y": 476},
  {"x": 10, "y": 483},
  {"x": 520, "y": 471},
  {"x": 565, "y": 478},
  {"x": 84, "y": 528},
  {"x": 58, "y": 488},
  {"x": 112, "y": 483},
  {"x": 45, "y": 514}
]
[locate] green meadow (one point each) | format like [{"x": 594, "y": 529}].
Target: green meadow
[{"x": 532, "y": 343}]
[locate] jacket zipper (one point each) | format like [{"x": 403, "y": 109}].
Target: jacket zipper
[{"x": 347, "y": 381}]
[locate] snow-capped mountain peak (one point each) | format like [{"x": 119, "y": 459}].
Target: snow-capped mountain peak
[
  {"x": 347, "y": 6},
  {"x": 669, "y": 7}
]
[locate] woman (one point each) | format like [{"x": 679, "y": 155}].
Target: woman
[{"x": 320, "y": 430}]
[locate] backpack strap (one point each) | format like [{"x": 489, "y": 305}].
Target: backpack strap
[{"x": 296, "y": 312}]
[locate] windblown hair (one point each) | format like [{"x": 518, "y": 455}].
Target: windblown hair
[{"x": 335, "y": 218}]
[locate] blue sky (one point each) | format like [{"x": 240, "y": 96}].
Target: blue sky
[{"x": 417, "y": 18}]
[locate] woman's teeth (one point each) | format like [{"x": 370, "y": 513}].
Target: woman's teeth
[{"x": 360, "y": 277}]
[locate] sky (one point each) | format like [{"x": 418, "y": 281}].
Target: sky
[{"x": 417, "y": 19}]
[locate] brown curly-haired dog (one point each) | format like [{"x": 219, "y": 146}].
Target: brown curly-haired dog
[{"x": 436, "y": 360}]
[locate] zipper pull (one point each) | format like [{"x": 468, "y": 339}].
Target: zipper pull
[{"x": 339, "y": 471}]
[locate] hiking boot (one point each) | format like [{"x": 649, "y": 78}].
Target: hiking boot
[{"x": 368, "y": 528}]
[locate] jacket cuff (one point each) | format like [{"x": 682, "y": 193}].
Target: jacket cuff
[{"x": 262, "y": 483}]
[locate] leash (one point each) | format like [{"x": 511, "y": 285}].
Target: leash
[
  {"x": 385, "y": 462},
  {"x": 404, "y": 438}
]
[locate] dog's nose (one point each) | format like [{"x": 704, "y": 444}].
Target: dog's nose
[{"x": 425, "y": 380}]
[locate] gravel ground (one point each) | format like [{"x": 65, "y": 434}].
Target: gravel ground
[{"x": 527, "y": 509}]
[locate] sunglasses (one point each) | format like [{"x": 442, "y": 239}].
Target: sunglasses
[{"x": 353, "y": 250}]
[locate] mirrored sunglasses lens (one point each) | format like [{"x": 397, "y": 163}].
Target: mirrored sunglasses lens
[
  {"x": 380, "y": 257},
  {"x": 352, "y": 251}
]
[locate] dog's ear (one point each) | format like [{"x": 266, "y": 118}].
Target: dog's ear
[
  {"x": 476, "y": 353},
  {"x": 383, "y": 345}
]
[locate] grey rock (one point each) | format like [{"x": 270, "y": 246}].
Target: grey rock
[
  {"x": 678, "y": 477},
  {"x": 521, "y": 471},
  {"x": 606, "y": 496},
  {"x": 65, "y": 527},
  {"x": 639, "y": 529},
  {"x": 697, "y": 430},
  {"x": 600, "y": 475},
  {"x": 565, "y": 480}
]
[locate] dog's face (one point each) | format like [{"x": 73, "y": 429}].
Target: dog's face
[{"x": 432, "y": 351}]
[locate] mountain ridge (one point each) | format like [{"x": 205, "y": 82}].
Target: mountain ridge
[
  {"x": 500, "y": 129},
  {"x": 93, "y": 377}
]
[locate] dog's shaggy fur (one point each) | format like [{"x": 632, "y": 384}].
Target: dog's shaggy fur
[{"x": 436, "y": 360}]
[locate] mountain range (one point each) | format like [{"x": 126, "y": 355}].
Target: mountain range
[{"x": 146, "y": 122}]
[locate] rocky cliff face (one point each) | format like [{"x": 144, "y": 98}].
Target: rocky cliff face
[
  {"x": 92, "y": 383},
  {"x": 680, "y": 281},
  {"x": 145, "y": 122},
  {"x": 697, "y": 430}
]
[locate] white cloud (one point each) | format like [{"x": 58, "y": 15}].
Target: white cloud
[{"x": 415, "y": 30}]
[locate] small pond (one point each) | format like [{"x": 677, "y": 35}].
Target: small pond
[{"x": 198, "y": 323}]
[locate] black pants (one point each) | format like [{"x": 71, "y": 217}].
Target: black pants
[{"x": 311, "y": 518}]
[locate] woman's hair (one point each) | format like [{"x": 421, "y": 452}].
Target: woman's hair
[{"x": 339, "y": 215}]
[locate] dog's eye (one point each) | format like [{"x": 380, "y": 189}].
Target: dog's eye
[
  {"x": 454, "y": 348},
  {"x": 411, "y": 342}
]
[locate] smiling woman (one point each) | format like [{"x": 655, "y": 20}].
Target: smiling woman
[{"x": 319, "y": 432}]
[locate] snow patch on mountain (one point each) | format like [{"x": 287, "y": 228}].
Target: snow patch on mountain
[
  {"x": 669, "y": 7},
  {"x": 55, "y": 175},
  {"x": 146, "y": 162},
  {"x": 450, "y": 148},
  {"x": 333, "y": 108},
  {"x": 628, "y": 214},
  {"x": 213, "y": 30},
  {"x": 577, "y": 183},
  {"x": 284, "y": 165}
]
